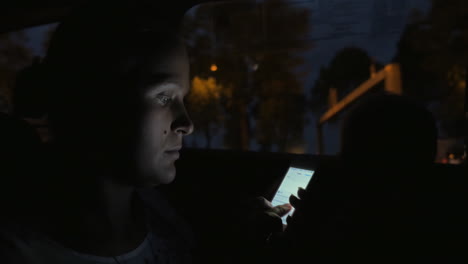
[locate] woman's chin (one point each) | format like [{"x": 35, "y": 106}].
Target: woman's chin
[{"x": 163, "y": 175}]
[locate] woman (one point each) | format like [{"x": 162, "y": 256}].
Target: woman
[{"x": 117, "y": 76}]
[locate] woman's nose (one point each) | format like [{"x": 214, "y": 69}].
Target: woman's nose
[{"x": 182, "y": 123}]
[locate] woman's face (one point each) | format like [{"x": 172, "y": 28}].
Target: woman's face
[{"x": 164, "y": 118}]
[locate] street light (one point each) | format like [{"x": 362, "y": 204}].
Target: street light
[{"x": 213, "y": 67}]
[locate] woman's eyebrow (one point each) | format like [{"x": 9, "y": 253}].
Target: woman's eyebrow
[
  {"x": 152, "y": 90},
  {"x": 157, "y": 78}
]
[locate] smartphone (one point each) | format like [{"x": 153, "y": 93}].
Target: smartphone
[{"x": 295, "y": 177}]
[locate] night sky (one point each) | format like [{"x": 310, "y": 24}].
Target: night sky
[{"x": 373, "y": 25}]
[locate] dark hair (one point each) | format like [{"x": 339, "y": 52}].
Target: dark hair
[
  {"x": 389, "y": 128},
  {"x": 28, "y": 98},
  {"x": 94, "y": 60}
]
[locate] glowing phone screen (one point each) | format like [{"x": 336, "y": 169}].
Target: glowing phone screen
[{"x": 294, "y": 179}]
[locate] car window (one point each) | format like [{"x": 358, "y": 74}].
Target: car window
[
  {"x": 21, "y": 53},
  {"x": 264, "y": 73}
]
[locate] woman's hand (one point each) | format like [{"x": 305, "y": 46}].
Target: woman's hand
[
  {"x": 265, "y": 219},
  {"x": 298, "y": 202},
  {"x": 256, "y": 219}
]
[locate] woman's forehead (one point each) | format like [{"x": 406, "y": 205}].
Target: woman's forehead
[{"x": 162, "y": 66}]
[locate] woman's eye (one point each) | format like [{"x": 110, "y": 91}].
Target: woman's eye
[{"x": 163, "y": 99}]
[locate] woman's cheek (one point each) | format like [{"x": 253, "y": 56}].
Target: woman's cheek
[{"x": 158, "y": 124}]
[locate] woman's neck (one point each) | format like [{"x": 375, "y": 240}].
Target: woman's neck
[
  {"x": 105, "y": 218},
  {"x": 115, "y": 207}
]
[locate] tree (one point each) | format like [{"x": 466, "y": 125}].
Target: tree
[
  {"x": 204, "y": 106},
  {"x": 350, "y": 67},
  {"x": 433, "y": 55},
  {"x": 256, "y": 47}
]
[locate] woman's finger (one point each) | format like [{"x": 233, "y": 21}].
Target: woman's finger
[
  {"x": 288, "y": 219},
  {"x": 302, "y": 193},
  {"x": 281, "y": 210},
  {"x": 294, "y": 201},
  {"x": 261, "y": 202}
]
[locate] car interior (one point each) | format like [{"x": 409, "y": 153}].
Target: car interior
[{"x": 213, "y": 175}]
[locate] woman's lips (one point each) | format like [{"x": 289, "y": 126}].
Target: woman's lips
[{"x": 173, "y": 152}]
